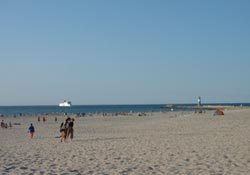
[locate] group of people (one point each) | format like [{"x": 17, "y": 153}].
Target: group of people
[
  {"x": 44, "y": 119},
  {"x": 66, "y": 129},
  {"x": 5, "y": 125},
  {"x": 38, "y": 119}
]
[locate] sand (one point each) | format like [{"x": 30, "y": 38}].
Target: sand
[{"x": 160, "y": 143}]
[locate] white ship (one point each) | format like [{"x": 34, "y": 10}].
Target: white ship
[{"x": 65, "y": 104}]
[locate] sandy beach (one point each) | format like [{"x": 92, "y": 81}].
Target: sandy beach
[{"x": 159, "y": 143}]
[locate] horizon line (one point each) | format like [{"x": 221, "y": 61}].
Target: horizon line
[{"x": 27, "y": 105}]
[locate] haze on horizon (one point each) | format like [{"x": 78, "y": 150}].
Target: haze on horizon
[{"x": 124, "y": 52}]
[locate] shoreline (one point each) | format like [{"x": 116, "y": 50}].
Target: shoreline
[
  {"x": 205, "y": 109},
  {"x": 42, "y": 110}
]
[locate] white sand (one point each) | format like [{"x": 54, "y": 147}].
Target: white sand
[{"x": 164, "y": 143}]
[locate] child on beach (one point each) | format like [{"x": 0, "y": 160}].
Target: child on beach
[{"x": 31, "y": 130}]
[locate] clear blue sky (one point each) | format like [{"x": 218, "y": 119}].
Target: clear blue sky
[{"x": 124, "y": 52}]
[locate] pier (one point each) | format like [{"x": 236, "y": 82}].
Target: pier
[{"x": 203, "y": 107}]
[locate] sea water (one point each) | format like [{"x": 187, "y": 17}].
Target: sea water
[{"x": 80, "y": 109}]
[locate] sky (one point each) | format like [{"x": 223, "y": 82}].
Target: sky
[{"x": 124, "y": 52}]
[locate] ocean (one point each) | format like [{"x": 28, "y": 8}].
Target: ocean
[{"x": 80, "y": 109}]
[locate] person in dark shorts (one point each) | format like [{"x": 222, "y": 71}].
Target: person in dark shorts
[
  {"x": 31, "y": 130},
  {"x": 70, "y": 129}
]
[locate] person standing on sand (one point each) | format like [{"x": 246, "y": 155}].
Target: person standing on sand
[
  {"x": 2, "y": 124},
  {"x": 31, "y": 130},
  {"x": 10, "y": 125},
  {"x": 64, "y": 130},
  {"x": 70, "y": 133}
]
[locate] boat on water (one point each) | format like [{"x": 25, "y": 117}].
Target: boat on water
[{"x": 65, "y": 104}]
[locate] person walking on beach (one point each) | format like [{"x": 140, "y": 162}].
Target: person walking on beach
[
  {"x": 64, "y": 130},
  {"x": 31, "y": 130},
  {"x": 70, "y": 133}
]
